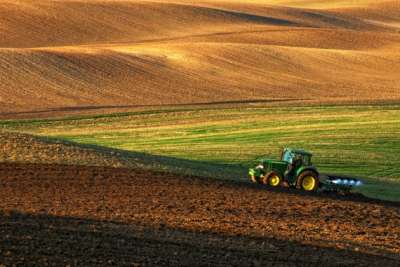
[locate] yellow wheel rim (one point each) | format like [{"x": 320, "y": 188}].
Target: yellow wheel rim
[
  {"x": 309, "y": 183},
  {"x": 274, "y": 180}
]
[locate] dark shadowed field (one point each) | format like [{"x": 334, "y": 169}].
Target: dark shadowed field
[{"x": 60, "y": 215}]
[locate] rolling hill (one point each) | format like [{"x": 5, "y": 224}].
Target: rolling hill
[{"x": 57, "y": 55}]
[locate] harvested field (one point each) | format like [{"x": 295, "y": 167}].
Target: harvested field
[
  {"x": 74, "y": 56},
  {"x": 55, "y": 214}
]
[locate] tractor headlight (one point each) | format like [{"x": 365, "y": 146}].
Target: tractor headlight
[
  {"x": 352, "y": 182},
  {"x": 345, "y": 181},
  {"x": 359, "y": 183},
  {"x": 337, "y": 181}
]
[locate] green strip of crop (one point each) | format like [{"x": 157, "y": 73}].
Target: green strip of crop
[{"x": 355, "y": 140}]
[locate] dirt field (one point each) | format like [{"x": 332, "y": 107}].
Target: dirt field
[
  {"x": 75, "y": 57},
  {"x": 67, "y": 215}
]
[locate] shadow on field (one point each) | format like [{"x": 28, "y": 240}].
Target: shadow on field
[
  {"x": 236, "y": 172},
  {"x": 130, "y": 109},
  {"x": 42, "y": 239},
  {"x": 84, "y": 112}
]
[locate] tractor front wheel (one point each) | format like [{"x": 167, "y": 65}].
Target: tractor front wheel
[
  {"x": 308, "y": 181},
  {"x": 272, "y": 179}
]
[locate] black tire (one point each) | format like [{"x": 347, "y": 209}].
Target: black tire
[
  {"x": 308, "y": 181},
  {"x": 272, "y": 179}
]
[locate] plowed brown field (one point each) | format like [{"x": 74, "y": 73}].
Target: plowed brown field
[
  {"x": 59, "y": 215},
  {"x": 82, "y": 55}
]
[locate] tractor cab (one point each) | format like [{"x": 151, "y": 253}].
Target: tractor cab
[{"x": 292, "y": 155}]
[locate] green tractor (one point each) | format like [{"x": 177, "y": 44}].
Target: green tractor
[{"x": 295, "y": 169}]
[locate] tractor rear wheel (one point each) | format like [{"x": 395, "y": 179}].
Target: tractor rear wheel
[
  {"x": 272, "y": 179},
  {"x": 308, "y": 181}
]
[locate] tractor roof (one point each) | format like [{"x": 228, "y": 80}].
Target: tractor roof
[{"x": 298, "y": 151}]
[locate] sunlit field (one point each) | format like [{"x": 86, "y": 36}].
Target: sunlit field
[
  {"x": 361, "y": 141},
  {"x": 76, "y": 55}
]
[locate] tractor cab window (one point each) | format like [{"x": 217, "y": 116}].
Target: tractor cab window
[
  {"x": 288, "y": 156},
  {"x": 303, "y": 159}
]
